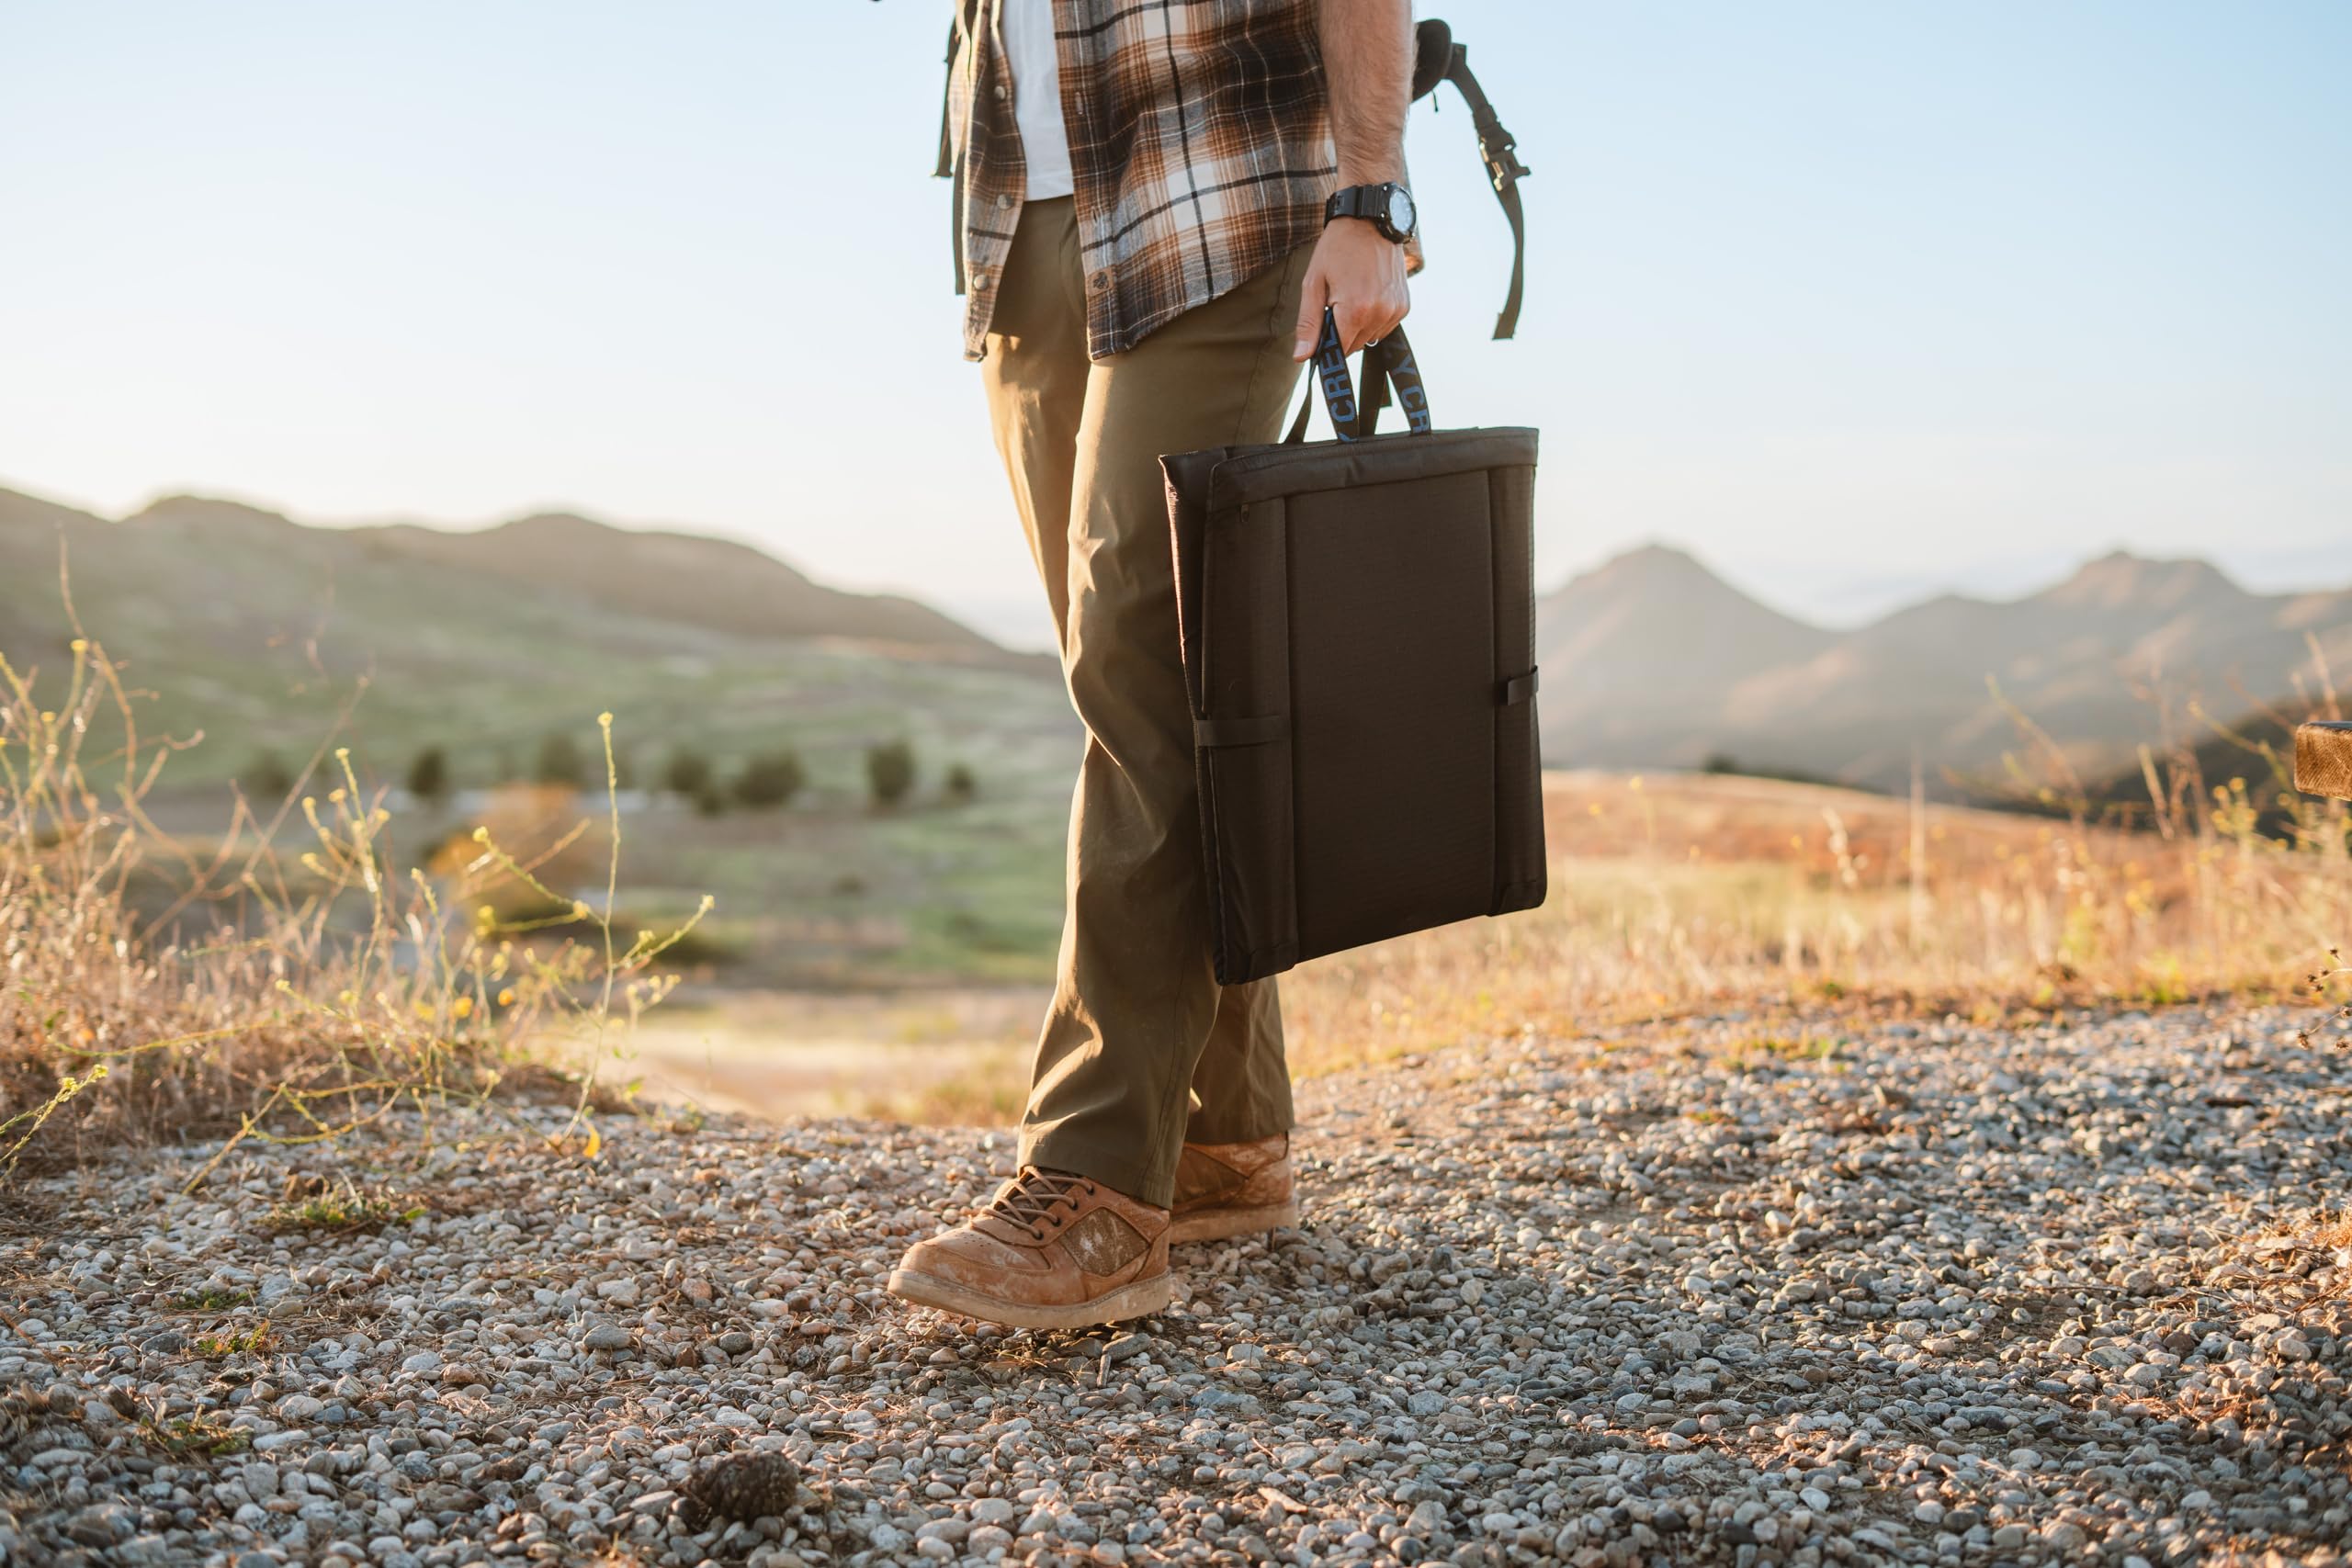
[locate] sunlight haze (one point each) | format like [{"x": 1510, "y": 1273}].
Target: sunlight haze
[{"x": 1854, "y": 301}]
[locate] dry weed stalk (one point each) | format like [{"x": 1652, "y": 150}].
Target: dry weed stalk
[
  {"x": 1695, "y": 894},
  {"x": 149, "y": 988}
]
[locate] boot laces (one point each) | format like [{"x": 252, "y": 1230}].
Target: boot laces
[{"x": 1029, "y": 1199}]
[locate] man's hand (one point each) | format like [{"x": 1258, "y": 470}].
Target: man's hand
[
  {"x": 1356, "y": 269},
  {"x": 1359, "y": 273}
]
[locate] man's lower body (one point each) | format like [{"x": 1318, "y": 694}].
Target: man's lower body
[{"x": 1159, "y": 1108}]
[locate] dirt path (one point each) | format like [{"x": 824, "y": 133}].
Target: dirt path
[{"x": 1924, "y": 1295}]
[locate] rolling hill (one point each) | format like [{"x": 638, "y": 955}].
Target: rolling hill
[
  {"x": 192, "y": 558},
  {"x": 255, "y": 629},
  {"x": 1660, "y": 663},
  {"x": 251, "y": 626}
]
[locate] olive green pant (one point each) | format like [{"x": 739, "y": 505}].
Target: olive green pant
[{"x": 1138, "y": 1018}]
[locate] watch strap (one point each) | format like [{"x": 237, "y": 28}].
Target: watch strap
[{"x": 1371, "y": 203}]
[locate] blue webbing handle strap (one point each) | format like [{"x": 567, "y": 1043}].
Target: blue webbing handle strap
[{"x": 1387, "y": 364}]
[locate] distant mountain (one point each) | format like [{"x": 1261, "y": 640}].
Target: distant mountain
[
  {"x": 1630, "y": 651},
  {"x": 712, "y": 583},
  {"x": 1651, "y": 660},
  {"x": 562, "y": 561},
  {"x": 247, "y": 625}
]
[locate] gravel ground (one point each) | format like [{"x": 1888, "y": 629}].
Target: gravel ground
[{"x": 1898, "y": 1293}]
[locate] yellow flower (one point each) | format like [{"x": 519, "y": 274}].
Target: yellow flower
[
  {"x": 463, "y": 1006},
  {"x": 506, "y": 997}
]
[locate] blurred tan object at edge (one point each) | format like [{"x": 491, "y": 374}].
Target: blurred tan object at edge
[{"x": 2324, "y": 759}]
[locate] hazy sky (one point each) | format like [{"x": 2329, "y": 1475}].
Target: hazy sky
[{"x": 1848, "y": 297}]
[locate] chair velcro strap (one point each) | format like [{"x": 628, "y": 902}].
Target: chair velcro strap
[
  {"x": 1519, "y": 689},
  {"x": 1253, "y": 731}
]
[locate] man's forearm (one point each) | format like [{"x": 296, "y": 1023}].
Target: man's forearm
[{"x": 1368, "y": 69}]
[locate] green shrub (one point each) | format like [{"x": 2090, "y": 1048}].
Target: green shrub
[
  {"x": 890, "y": 772},
  {"x": 770, "y": 779},
  {"x": 961, "y": 785},
  {"x": 429, "y": 775},
  {"x": 559, "y": 761},
  {"x": 687, "y": 773},
  {"x": 267, "y": 777}
]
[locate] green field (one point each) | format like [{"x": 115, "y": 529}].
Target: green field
[
  {"x": 254, "y": 646},
  {"x": 828, "y": 890}
]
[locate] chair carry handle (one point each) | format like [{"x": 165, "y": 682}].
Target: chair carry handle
[{"x": 1388, "y": 362}]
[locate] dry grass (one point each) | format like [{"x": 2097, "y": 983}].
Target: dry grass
[
  {"x": 152, "y": 989},
  {"x": 1676, "y": 894},
  {"x": 987, "y": 1088}
]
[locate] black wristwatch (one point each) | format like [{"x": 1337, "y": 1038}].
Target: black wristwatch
[{"x": 1387, "y": 208}]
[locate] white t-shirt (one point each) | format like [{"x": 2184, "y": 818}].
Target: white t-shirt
[{"x": 1028, "y": 29}]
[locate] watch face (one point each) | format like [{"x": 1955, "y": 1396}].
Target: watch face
[{"x": 1401, "y": 211}]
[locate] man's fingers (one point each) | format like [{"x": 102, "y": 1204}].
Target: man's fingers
[
  {"x": 1311, "y": 299},
  {"x": 1368, "y": 321}
]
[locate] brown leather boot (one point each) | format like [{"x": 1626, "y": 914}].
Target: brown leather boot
[
  {"x": 1051, "y": 1250},
  {"x": 1226, "y": 1190}
]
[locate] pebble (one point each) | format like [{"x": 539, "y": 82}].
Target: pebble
[{"x": 1953, "y": 1294}]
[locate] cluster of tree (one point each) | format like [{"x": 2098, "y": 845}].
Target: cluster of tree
[
  {"x": 763, "y": 781},
  {"x": 890, "y": 774},
  {"x": 766, "y": 780},
  {"x": 1724, "y": 763}
]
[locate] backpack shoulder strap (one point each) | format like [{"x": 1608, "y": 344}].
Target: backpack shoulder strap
[
  {"x": 946, "y": 98},
  {"x": 1504, "y": 171}
]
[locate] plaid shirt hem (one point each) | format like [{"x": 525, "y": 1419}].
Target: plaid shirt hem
[{"x": 1200, "y": 153}]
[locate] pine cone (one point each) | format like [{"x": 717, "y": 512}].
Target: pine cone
[{"x": 739, "y": 1486}]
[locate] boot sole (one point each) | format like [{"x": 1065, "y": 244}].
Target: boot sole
[
  {"x": 1141, "y": 1299},
  {"x": 1216, "y": 1224}
]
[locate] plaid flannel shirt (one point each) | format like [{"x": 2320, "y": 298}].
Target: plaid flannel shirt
[{"x": 1199, "y": 147}]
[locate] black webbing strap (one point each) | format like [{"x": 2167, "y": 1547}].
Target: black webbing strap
[
  {"x": 1504, "y": 171},
  {"x": 1385, "y": 363},
  {"x": 1253, "y": 731},
  {"x": 946, "y": 168},
  {"x": 964, "y": 18},
  {"x": 1519, "y": 689}
]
